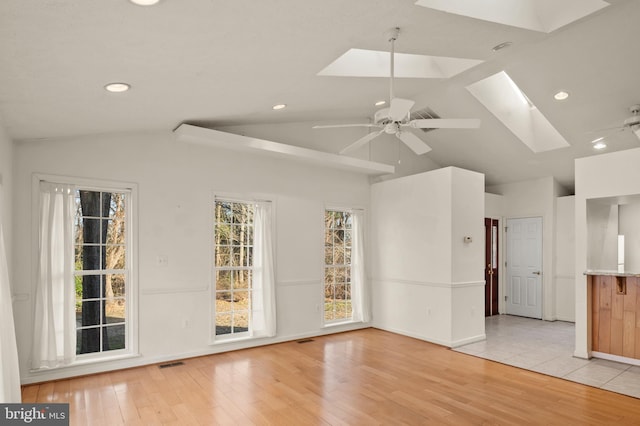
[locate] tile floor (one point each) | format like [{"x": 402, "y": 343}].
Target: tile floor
[{"x": 547, "y": 347}]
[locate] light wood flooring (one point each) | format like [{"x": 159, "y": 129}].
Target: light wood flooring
[{"x": 365, "y": 377}]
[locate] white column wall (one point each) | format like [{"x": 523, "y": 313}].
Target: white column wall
[
  {"x": 429, "y": 283},
  {"x": 467, "y": 273},
  {"x": 176, "y": 183},
  {"x": 565, "y": 259}
]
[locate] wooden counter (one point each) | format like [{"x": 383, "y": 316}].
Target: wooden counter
[{"x": 615, "y": 313}]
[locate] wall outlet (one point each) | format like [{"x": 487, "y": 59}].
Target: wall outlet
[{"x": 163, "y": 260}]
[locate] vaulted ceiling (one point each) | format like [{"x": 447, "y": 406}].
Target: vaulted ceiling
[{"x": 226, "y": 63}]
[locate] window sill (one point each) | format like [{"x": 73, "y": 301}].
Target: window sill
[
  {"x": 84, "y": 362},
  {"x": 339, "y": 323},
  {"x": 240, "y": 339}
]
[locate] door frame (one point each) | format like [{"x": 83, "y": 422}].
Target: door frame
[{"x": 499, "y": 275}]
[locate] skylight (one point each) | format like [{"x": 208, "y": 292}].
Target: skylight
[
  {"x": 537, "y": 15},
  {"x": 374, "y": 63},
  {"x": 504, "y": 99}
]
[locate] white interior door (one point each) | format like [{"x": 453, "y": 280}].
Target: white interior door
[{"x": 524, "y": 267}]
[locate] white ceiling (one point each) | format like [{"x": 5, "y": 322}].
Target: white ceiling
[{"x": 224, "y": 63}]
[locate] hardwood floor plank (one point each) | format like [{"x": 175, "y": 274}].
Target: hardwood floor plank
[
  {"x": 30, "y": 393},
  {"x": 369, "y": 377}
]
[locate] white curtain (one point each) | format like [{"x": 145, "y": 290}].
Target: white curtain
[
  {"x": 359, "y": 289},
  {"x": 264, "y": 289},
  {"x": 9, "y": 370},
  {"x": 54, "y": 331}
]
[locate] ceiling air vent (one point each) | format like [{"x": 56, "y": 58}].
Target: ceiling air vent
[{"x": 425, "y": 112}]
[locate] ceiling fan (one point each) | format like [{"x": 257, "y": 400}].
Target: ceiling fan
[
  {"x": 396, "y": 119},
  {"x": 632, "y": 123}
]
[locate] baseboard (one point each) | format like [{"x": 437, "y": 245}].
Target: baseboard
[
  {"x": 616, "y": 358},
  {"x": 462, "y": 342},
  {"x": 415, "y": 336},
  {"x": 566, "y": 319}
]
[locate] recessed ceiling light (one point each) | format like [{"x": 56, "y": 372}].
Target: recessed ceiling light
[
  {"x": 380, "y": 103},
  {"x": 145, "y": 2},
  {"x": 599, "y": 145},
  {"x": 279, "y": 106},
  {"x": 501, "y": 46},
  {"x": 117, "y": 87},
  {"x": 561, "y": 96}
]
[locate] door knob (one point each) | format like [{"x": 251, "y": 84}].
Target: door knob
[{"x": 536, "y": 273}]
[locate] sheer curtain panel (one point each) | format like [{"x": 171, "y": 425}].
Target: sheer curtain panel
[
  {"x": 359, "y": 289},
  {"x": 264, "y": 291},
  {"x": 9, "y": 370},
  {"x": 54, "y": 331}
]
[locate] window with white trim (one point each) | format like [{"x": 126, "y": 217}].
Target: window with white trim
[
  {"x": 244, "y": 277},
  {"x": 233, "y": 267},
  {"x": 338, "y": 239},
  {"x": 102, "y": 270}
]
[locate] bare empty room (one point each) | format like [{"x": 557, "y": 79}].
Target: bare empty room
[{"x": 286, "y": 212}]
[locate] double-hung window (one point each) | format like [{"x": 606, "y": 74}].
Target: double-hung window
[
  {"x": 338, "y": 238},
  {"x": 345, "y": 289},
  {"x": 244, "y": 288},
  {"x": 83, "y": 298},
  {"x": 101, "y": 270}
]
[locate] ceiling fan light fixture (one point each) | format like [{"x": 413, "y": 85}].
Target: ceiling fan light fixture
[
  {"x": 561, "y": 95},
  {"x": 117, "y": 87},
  {"x": 278, "y": 107}
]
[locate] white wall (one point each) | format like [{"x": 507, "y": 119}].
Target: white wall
[
  {"x": 6, "y": 186},
  {"x": 629, "y": 226},
  {"x": 607, "y": 175},
  {"x": 565, "y": 259},
  {"x": 534, "y": 198},
  {"x": 428, "y": 283},
  {"x": 602, "y": 235},
  {"x": 493, "y": 205},
  {"x": 176, "y": 183}
]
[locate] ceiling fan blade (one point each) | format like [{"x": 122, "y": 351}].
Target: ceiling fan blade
[
  {"x": 445, "y": 123},
  {"x": 335, "y": 126},
  {"x": 360, "y": 142},
  {"x": 608, "y": 134},
  {"x": 400, "y": 108},
  {"x": 606, "y": 129},
  {"x": 416, "y": 144}
]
